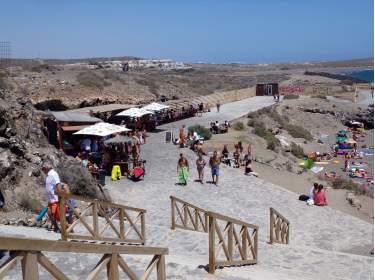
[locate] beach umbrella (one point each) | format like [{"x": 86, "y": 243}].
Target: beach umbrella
[
  {"x": 134, "y": 113},
  {"x": 101, "y": 129},
  {"x": 118, "y": 139},
  {"x": 155, "y": 107}
]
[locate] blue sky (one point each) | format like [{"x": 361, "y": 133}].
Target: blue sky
[{"x": 194, "y": 30}]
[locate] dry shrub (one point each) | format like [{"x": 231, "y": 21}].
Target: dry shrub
[
  {"x": 238, "y": 126},
  {"x": 291, "y": 96},
  {"x": 91, "y": 79},
  {"x": 297, "y": 150},
  {"x": 30, "y": 203}
]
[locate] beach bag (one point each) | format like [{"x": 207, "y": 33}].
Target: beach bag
[{"x": 303, "y": 197}]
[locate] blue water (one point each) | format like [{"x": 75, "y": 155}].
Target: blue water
[{"x": 366, "y": 75}]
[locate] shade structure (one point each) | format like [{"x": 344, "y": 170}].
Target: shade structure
[
  {"x": 134, "y": 113},
  {"x": 118, "y": 139},
  {"x": 101, "y": 129},
  {"x": 155, "y": 107}
]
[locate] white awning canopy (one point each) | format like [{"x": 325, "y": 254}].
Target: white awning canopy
[
  {"x": 134, "y": 113},
  {"x": 101, "y": 129},
  {"x": 155, "y": 107}
]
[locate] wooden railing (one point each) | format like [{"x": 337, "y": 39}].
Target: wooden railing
[
  {"x": 237, "y": 242},
  {"x": 29, "y": 253},
  {"x": 279, "y": 228},
  {"x": 188, "y": 216},
  {"x": 103, "y": 221},
  {"x": 231, "y": 241}
]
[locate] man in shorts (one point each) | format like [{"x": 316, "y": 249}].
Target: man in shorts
[{"x": 214, "y": 164}]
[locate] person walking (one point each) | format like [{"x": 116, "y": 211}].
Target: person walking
[
  {"x": 182, "y": 170},
  {"x": 52, "y": 183},
  {"x": 182, "y": 137},
  {"x": 201, "y": 163},
  {"x": 218, "y": 106},
  {"x": 214, "y": 164}
]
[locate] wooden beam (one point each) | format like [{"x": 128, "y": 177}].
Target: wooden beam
[
  {"x": 126, "y": 269},
  {"x": 99, "y": 267},
  {"x": 161, "y": 275},
  {"x": 51, "y": 267},
  {"x": 30, "y": 266},
  {"x": 29, "y": 244},
  {"x": 112, "y": 268},
  {"x": 10, "y": 263},
  {"x": 211, "y": 245}
]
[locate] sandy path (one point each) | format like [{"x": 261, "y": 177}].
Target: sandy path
[{"x": 320, "y": 237}]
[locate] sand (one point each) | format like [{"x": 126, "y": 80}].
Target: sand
[{"x": 321, "y": 237}]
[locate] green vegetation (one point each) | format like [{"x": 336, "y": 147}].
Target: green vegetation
[
  {"x": 340, "y": 183},
  {"x": 30, "y": 203},
  {"x": 201, "y": 130},
  {"x": 92, "y": 80},
  {"x": 272, "y": 141},
  {"x": 238, "y": 126},
  {"x": 291, "y": 96},
  {"x": 297, "y": 150},
  {"x": 297, "y": 131}
]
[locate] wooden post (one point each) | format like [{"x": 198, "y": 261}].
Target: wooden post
[
  {"x": 95, "y": 219},
  {"x": 63, "y": 227},
  {"x": 160, "y": 267},
  {"x": 230, "y": 241},
  {"x": 122, "y": 223},
  {"x": 112, "y": 268},
  {"x": 185, "y": 215},
  {"x": 211, "y": 245},
  {"x": 287, "y": 235},
  {"x": 245, "y": 244},
  {"x": 271, "y": 225},
  {"x": 173, "y": 216},
  {"x": 143, "y": 228},
  {"x": 255, "y": 244},
  {"x": 206, "y": 222},
  {"x": 196, "y": 219},
  {"x": 30, "y": 266}
]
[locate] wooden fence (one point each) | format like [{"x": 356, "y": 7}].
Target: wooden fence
[
  {"x": 231, "y": 241},
  {"x": 29, "y": 253},
  {"x": 102, "y": 221},
  {"x": 188, "y": 216},
  {"x": 236, "y": 239},
  {"x": 279, "y": 228}
]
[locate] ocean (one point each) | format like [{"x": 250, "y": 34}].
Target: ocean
[{"x": 366, "y": 75}]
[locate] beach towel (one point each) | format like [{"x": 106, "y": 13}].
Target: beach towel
[
  {"x": 316, "y": 169},
  {"x": 183, "y": 175},
  {"x": 116, "y": 173}
]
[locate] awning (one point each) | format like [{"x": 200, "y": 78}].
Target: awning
[
  {"x": 65, "y": 116},
  {"x": 101, "y": 129},
  {"x": 74, "y": 127},
  {"x": 155, "y": 107},
  {"x": 134, "y": 113}
]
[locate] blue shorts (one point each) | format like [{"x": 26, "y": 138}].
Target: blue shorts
[{"x": 215, "y": 171}]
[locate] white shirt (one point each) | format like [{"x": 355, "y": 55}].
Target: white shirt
[
  {"x": 51, "y": 181},
  {"x": 311, "y": 193}
]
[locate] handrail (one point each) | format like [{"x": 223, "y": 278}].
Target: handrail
[
  {"x": 187, "y": 216},
  {"x": 187, "y": 203},
  {"x": 230, "y": 240},
  {"x": 29, "y": 252},
  {"x": 232, "y": 220},
  {"x": 135, "y": 226},
  {"x": 279, "y": 228},
  {"x": 104, "y": 203},
  {"x": 237, "y": 235}
]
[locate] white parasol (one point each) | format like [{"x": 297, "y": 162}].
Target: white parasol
[
  {"x": 155, "y": 107},
  {"x": 102, "y": 129},
  {"x": 134, "y": 112}
]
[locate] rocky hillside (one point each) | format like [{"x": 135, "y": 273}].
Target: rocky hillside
[{"x": 23, "y": 148}]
